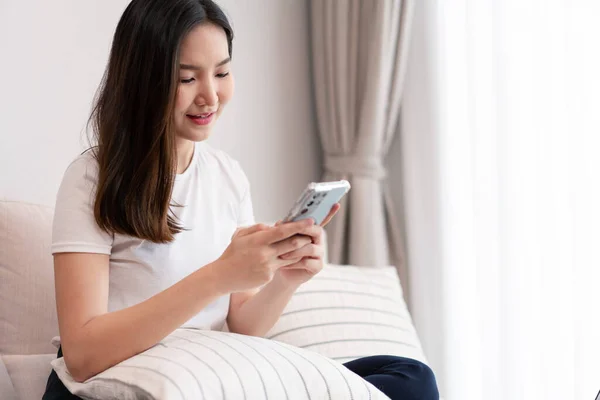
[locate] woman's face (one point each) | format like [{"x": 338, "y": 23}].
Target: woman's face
[{"x": 205, "y": 82}]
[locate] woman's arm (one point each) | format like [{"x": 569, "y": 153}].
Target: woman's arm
[
  {"x": 93, "y": 339},
  {"x": 255, "y": 312}
]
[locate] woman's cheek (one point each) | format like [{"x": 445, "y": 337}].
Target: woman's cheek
[
  {"x": 227, "y": 90},
  {"x": 180, "y": 99}
]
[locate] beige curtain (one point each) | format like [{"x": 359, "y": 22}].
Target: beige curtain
[{"x": 359, "y": 50}]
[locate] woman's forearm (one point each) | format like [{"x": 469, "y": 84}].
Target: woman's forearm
[
  {"x": 257, "y": 315},
  {"x": 113, "y": 337}
]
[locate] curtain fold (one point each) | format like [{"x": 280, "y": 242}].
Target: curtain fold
[{"x": 359, "y": 51}]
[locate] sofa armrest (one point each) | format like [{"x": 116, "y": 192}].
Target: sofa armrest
[
  {"x": 28, "y": 375},
  {"x": 6, "y": 386}
]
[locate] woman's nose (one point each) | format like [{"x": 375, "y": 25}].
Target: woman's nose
[{"x": 207, "y": 95}]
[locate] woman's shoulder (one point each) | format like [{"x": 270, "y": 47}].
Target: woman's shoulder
[
  {"x": 87, "y": 158},
  {"x": 83, "y": 167}
]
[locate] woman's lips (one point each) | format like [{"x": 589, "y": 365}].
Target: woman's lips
[{"x": 203, "y": 119}]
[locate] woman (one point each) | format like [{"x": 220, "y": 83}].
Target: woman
[{"x": 152, "y": 224}]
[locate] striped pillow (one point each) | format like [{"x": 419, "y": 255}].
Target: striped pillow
[
  {"x": 193, "y": 364},
  {"x": 348, "y": 312}
]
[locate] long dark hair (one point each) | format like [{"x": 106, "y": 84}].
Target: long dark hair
[{"x": 132, "y": 118}]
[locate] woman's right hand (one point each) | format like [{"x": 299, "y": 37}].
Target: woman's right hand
[{"x": 252, "y": 257}]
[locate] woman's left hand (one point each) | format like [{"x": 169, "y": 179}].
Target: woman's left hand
[{"x": 310, "y": 257}]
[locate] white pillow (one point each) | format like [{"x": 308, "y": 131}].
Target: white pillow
[
  {"x": 193, "y": 364},
  {"x": 348, "y": 312}
]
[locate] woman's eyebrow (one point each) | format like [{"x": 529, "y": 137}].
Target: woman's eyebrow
[{"x": 196, "y": 68}]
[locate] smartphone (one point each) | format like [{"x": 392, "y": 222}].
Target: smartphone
[{"x": 316, "y": 201}]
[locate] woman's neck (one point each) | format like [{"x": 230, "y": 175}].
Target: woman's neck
[{"x": 185, "y": 152}]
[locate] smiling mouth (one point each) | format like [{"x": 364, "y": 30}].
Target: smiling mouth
[{"x": 201, "y": 119}]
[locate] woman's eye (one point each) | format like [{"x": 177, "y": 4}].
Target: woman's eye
[
  {"x": 190, "y": 80},
  {"x": 223, "y": 75}
]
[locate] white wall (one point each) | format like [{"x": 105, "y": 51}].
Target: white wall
[{"x": 53, "y": 55}]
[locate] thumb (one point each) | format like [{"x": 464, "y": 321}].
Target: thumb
[{"x": 247, "y": 230}]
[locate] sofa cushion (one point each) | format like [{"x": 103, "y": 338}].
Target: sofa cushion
[
  {"x": 347, "y": 312},
  {"x": 29, "y": 374},
  {"x": 27, "y": 305}
]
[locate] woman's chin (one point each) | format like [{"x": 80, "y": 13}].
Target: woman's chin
[
  {"x": 196, "y": 135},
  {"x": 201, "y": 136}
]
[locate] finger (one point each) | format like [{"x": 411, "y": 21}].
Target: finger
[
  {"x": 311, "y": 265},
  {"x": 245, "y": 231},
  {"x": 291, "y": 244},
  {"x": 289, "y": 264},
  {"x": 238, "y": 231},
  {"x": 310, "y": 250},
  {"x": 334, "y": 209},
  {"x": 318, "y": 238},
  {"x": 284, "y": 231},
  {"x": 315, "y": 232}
]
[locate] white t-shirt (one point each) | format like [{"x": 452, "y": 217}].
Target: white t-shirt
[{"x": 215, "y": 195}]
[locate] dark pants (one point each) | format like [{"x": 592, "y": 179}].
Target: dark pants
[
  {"x": 399, "y": 378},
  {"x": 55, "y": 389}
]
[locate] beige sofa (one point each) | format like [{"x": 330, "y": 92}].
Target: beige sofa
[
  {"x": 27, "y": 305},
  {"x": 332, "y": 299}
]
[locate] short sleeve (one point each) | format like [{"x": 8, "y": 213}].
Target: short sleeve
[
  {"x": 246, "y": 211},
  {"x": 74, "y": 227}
]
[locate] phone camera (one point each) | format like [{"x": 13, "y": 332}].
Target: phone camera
[
  {"x": 310, "y": 203},
  {"x": 304, "y": 211}
]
